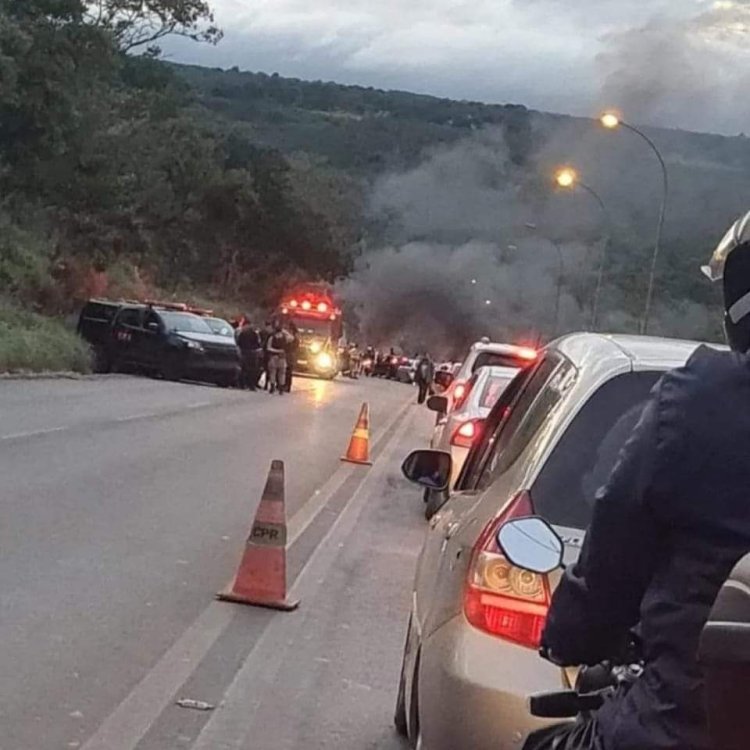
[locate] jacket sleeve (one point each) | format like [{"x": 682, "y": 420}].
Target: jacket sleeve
[{"x": 598, "y": 599}]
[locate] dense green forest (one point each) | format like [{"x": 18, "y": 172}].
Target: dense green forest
[{"x": 123, "y": 174}]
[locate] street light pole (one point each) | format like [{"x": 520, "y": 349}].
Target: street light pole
[
  {"x": 560, "y": 274},
  {"x": 602, "y": 255},
  {"x": 611, "y": 122},
  {"x": 568, "y": 178}
]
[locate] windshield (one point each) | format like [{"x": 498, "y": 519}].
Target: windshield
[
  {"x": 185, "y": 323},
  {"x": 220, "y": 327},
  {"x": 313, "y": 328},
  {"x": 581, "y": 463},
  {"x": 493, "y": 389}
]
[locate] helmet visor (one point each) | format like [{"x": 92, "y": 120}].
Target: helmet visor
[{"x": 738, "y": 234}]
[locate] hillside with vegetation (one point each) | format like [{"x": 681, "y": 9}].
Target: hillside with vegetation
[{"x": 124, "y": 175}]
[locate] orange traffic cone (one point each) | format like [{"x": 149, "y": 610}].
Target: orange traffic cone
[
  {"x": 359, "y": 446},
  {"x": 261, "y": 578}
]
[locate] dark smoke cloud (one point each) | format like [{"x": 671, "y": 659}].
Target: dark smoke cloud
[{"x": 467, "y": 212}]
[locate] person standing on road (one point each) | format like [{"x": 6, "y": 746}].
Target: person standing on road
[
  {"x": 249, "y": 343},
  {"x": 265, "y": 334},
  {"x": 424, "y": 377},
  {"x": 276, "y": 359},
  {"x": 292, "y": 353}
]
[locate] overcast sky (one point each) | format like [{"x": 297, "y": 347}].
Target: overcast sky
[{"x": 670, "y": 62}]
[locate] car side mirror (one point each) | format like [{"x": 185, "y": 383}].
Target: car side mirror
[
  {"x": 531, "y": 544},
  {"x": 443, "y": 379},
  {"x": 152, "y": 326},
  {"x": 438, "y": 404},
  {"x": 429, "y": 469}
]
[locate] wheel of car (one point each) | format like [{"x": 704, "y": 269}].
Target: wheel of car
[{"x": 435, "y": 502}]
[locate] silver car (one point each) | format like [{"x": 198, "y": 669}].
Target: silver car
[
  {"x": 456, "y": 432},
  {"x": 470, "y": 659}
]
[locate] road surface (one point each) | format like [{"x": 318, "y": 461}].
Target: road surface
[{"x": 124, "y": 506}]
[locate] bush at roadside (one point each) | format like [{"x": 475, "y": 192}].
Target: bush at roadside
[{"x": 33, "y": 343}]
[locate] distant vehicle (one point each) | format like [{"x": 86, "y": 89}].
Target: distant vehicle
[
  {"x": 453, "y": 384},
  {"x": 407, "y": 370},
  {"x": 160, "y": 339},
  {"x": 457, "y": 433},
  {"x": 319, "y": 323},
  {"x": 475, "y": 624},
  {"x": 220, "y": 327}
]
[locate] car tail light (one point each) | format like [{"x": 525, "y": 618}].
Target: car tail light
[
  {"x": 322, "y": 307},
  {"x": 501, "y": 599},
  {"x": 460, "y": 392},
  {"x": 466, "y": 435},
  {"x": 306, "y": 305},
  {"x": 528, "y": 353}
]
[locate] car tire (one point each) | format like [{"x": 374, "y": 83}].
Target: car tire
[{"x": 435, "y": 503}]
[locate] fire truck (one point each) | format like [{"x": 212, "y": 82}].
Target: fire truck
[{"x": 319, "y": 324}]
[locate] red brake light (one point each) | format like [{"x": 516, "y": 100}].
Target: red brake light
[
  {"x": 500, "y": 599},
  {"x": 322, "y": 307},
  {"x": 467, "y": 433},
  {"x": 306, "y": 305},
  {"x": 460, "y": 392},
  {"x": 293, "y": 303},
  {"x": 528, "y": 353}
]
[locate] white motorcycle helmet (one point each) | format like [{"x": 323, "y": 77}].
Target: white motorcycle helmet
[{"x": 730, "y": 264}]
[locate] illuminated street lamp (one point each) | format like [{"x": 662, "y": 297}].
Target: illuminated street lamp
[
  {"x": 568, "y": 179},
  {"x": 611, "y": 121}
]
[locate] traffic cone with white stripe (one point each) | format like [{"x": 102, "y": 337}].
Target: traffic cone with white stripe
[
  {"x": 359, "y": 445},
  {"x": 261, "y": 577}
]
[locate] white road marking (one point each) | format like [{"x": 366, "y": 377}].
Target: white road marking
[
  {"x": 124, "y": 728},
  {"x": 33, "y": 433},
  {"x": 136, "y": 417}
]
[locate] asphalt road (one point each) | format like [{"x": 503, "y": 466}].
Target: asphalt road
[{"x": 124, "y": 505}]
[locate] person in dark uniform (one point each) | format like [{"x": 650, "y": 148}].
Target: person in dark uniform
[
  {"x": 249, "y": 344},
  {"x": 265, "y": 334},
  {"x": 670, "y": 523},
  {"x": 292, "y": 353},
  {"x": 424, "y": 377}
]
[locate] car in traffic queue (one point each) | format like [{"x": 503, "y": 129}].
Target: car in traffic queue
[
  {"x": 407, "y": 370},
  {"x": 453, "y": 383},
  {"x": 470, "y": 660},
  {"x": 456, "y": 433},
  {"x": 159, "y": 339}
]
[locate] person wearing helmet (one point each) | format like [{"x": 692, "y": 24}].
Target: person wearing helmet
[{"x": 668, "y": 526}]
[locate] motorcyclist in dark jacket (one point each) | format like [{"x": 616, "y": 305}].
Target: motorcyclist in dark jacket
[{"x": 667, "y": 528}]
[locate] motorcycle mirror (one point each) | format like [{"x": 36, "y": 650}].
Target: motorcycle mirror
[
  {"x": 429, "y": 469},
  {"x": 532, "y": 544}
]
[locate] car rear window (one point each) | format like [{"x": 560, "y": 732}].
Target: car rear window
[
  {"x": 493, "y": 389},
  {"x": 490, "y": 359},
  {"x": 582, "y": 461}
]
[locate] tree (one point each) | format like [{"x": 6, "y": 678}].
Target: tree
[{"x": 142, "y": 24}]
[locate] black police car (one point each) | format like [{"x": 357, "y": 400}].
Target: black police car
[{"x": 174, "y": 343}]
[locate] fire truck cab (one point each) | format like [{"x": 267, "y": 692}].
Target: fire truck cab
[{"x": 319, "y": 325}]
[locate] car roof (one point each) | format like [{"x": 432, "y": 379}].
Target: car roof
[
  {"x": 512, "y": 350},
  {"x": 642, "y": 352}
]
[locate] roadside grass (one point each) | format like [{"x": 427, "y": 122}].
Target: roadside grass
[{"x": 33, "y": 343}]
